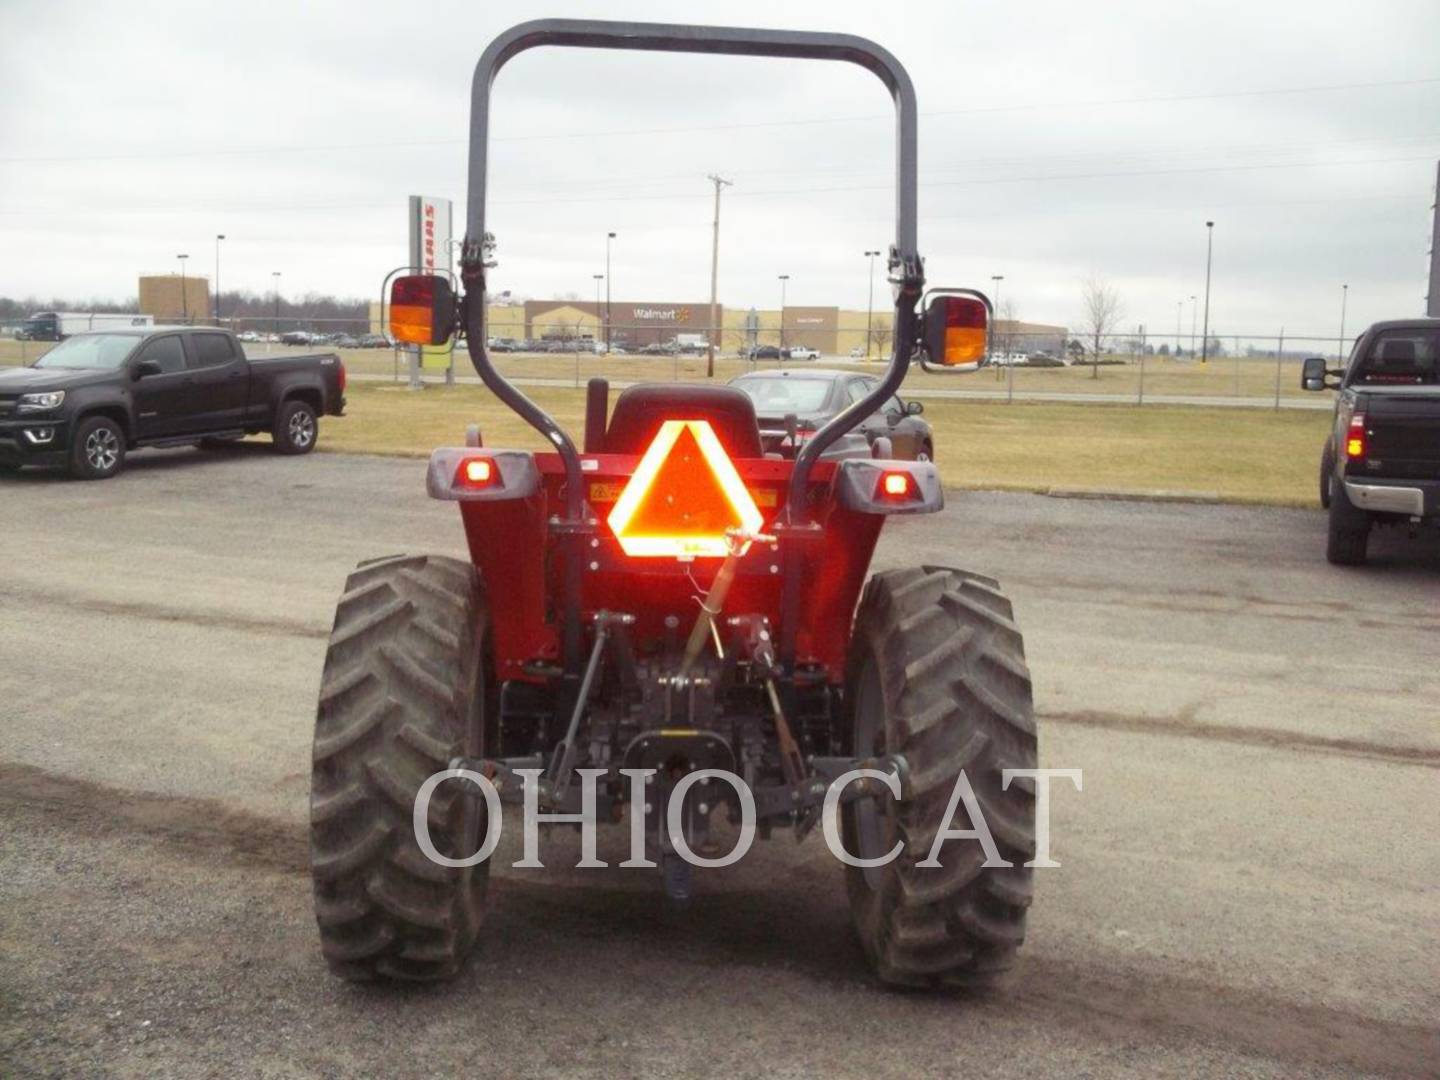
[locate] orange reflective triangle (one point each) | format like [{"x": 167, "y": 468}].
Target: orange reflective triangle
[{"x": 683, "y": 497}]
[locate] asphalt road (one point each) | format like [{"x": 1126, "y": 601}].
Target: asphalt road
[{"x": 1248, "y": 881}]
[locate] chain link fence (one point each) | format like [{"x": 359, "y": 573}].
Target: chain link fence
[{"x": 1054, "y": 365}]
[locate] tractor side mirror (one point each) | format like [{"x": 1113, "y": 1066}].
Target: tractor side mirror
[
  {"x": 956, "y": 331},
  {"x": 1315, "y": 376},
  {"x": 914, "y": 408},
  {"x": 422, "y": 309}
]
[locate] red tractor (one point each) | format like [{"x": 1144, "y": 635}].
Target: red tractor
[{"x": 673, "y": 619}]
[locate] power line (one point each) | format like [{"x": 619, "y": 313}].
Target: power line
[{"x": 149, "y": 155}]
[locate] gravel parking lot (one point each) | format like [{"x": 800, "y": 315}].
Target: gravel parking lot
[{"x": 1248, "y": 880}]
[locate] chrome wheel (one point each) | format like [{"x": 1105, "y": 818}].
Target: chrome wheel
[
  {"x": 102, "y": 449},
  {"x": 302, "y": 429}
]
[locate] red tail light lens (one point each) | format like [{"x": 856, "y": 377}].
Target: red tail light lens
[
  {"x": 342, "y": 376},
  {"x": 477, "y": 473},
  {"x": 896, "y": 487},
  {"x": 1355, "y": 438}
]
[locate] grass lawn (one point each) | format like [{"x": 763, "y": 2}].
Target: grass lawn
[{"x": 1241, "y": 455}]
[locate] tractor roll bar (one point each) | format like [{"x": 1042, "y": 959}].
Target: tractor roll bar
[{"x": 905, "y": 265}]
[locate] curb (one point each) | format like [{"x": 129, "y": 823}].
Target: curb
[{"x": 1142, "y": 495}]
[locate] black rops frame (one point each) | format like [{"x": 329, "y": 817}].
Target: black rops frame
[{"x": 906, "y": 267}]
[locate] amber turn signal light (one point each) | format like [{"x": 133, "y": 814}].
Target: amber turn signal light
[
  {"x": 422, "y": 309},
  {"x": 957, "y": 331}
]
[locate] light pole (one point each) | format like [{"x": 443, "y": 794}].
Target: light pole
[
  {"x": 184, "y": 306},
  {"x": 1179, "y": 312},
  {"x": 783, "y": 279},
  {"x": 275, "y": 288},
  {"x": 218, "y": 238},
  {"x": 870, "y": 304},
  {"x": 1344, "y": 296},
  {"x": 1194, "y": 300},
  {"x": 608, "y": 238},
  {"x": 598, "y": 278},
  {"x": 1205, "y": 331}
]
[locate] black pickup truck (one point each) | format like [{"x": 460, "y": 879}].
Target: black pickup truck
[
  {"x": 95, "y": 396},
  {"x": 1381, "y": 464}
]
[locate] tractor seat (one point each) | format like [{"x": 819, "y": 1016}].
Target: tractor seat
[{"x": 641, "y": 409}]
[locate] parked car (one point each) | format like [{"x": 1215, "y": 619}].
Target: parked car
[
  {"x": 857, "y": 353},
  {"x": 503, "y": 345},
  {"x": 345, "y": 341},
  {"x": 297, "y": 337},
  {"x": 93, "y": 397},
  {"x": 764, "y": 352},
  {"x": 374, "y": 341},
  {"x": 248, "y": 336},
  {"x": 814, "y": 396},
  {"x": 1381, "y": 463},
  {"x": 800, "y": 352}
]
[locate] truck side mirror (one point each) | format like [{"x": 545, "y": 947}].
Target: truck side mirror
[
  {"x": 956, "y": 331},
  {"x": 1315, "y": 376},
  {"x": 144, "y": 368}
]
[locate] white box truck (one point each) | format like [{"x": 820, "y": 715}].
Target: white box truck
[{"x": 59, "y": 325}]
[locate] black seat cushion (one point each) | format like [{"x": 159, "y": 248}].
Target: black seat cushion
[{"x": 641, "y": 409}]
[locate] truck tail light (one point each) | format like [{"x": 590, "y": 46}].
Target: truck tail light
[
  {"x": 342, "y": 376},
  {"x": 1355, "y": 438}
]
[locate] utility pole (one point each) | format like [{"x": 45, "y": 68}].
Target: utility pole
[
  {"x": 218, "y": 238},
  {"x": 1193, "y": 301},
  {"x": 870, "y": 305},
  {"x": 719, "y": 182},
  {"x": 1179, "y": 311},
  {"x": 1205, "y": 333},
  {"x": 783, "y": 279},
  {"x": 1344, "y": 296},
  {"x": 184, "y": 306},
  {"x": 608, "y": 238}
]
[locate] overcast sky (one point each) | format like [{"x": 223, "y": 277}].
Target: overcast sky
[{"x": 1057, "y": 139}]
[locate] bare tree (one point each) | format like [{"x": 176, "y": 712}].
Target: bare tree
[
  {"x": 1103, "y": 312},
  {"x": 1004, "y": 339}
]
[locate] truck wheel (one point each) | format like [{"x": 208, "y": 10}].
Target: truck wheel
[
  {"x": 98, "y": 449},
  {"x": 1349, "y": 533},
  {"x": 296, "y": 428},
  {"x": 937, "y": 673},
  {"x": 404, "y": 691},
  {"x": 1327, "y": 473}
]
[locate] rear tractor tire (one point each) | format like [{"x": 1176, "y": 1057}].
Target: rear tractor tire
[
  {"x": 937, "y": 673},
  {"x": 404, "y": 691}
]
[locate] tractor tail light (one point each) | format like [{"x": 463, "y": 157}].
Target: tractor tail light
[
  {"x": 957, "y": 331},
  {"x": 422, "y": 309},
  {"x": 476, "y": 473},
  {"x": 896, "y": 487},
  {"x": 1355, "y": 438}
]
